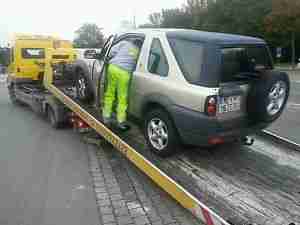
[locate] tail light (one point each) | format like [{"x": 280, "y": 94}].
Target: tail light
[{"x": 211, "y": 106}]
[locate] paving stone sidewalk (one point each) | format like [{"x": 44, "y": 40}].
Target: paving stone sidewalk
[{"x": 125, "y": 196}]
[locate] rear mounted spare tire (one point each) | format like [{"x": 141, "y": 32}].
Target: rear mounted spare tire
[{"x": 268, "y": 96}]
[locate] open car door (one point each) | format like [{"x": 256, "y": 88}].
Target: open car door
[{"x": 100, "y": 68}]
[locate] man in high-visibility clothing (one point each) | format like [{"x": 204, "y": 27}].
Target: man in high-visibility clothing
[{"x": 123, "y": 59}]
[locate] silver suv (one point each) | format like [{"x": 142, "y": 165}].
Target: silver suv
[{"x": 195, "y": 87}]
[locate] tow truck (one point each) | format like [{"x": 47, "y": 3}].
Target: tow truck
[
  {"x": 55, "y": 91},
  {"x": 41, "y": 76},
  {"x": 26, "y": 73}
]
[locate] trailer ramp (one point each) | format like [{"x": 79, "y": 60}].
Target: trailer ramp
[{"x": 188, "y": 201}]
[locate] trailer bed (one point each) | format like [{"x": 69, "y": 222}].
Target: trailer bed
[{"x": 245, "y": 185}]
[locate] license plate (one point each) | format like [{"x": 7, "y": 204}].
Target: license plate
[{"x": 229, "y": 104}]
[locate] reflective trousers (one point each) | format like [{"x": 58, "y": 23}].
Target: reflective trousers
[{"x": 117, "y": 86}]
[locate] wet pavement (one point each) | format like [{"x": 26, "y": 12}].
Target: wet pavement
[
  {"x": 245, "y": 185},
  {"x": 126, "y": 196},
  {"x": 44, "y": 172}
]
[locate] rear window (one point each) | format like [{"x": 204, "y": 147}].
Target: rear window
[
  {"x": 33, "y": 53},
  {"x": 239, "y": 60},
  {"x": 189, "y": 56}
]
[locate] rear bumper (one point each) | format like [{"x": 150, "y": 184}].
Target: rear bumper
[{"x": 198, "y": 129}]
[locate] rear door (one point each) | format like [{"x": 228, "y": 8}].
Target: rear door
[
  {"x": 105, "y": 59},
  {"x": 99, "y": 70},
  {"x": 238, "y": 70}
]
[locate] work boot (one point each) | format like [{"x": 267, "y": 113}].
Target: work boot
[{"x": 123, "y": 126}]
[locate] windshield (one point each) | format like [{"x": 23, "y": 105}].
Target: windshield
[
  {"x": 189, "y": 56},
  {"x": 246, "y": 59}
]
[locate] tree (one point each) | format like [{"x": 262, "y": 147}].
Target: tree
[
  {"x": 176, "y": 18},
  {"x": 237, "y": 16},
  {"x": 197, "y": 9},
  {"x": 284, "y": 20},
  {"x": 88, "y": 36}
]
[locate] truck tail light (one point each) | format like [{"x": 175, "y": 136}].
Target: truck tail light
[{"x": 211, "y": 106}]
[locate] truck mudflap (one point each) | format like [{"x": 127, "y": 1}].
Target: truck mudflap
[{"x": 182, "y": 196}]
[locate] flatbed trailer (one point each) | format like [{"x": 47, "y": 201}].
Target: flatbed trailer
[
  {"x": 201, "y": 203},
  {"x": 182, "y": 196},
  {"x": 197, "y": 187}
]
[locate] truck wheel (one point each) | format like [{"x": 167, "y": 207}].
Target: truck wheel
[
  {"x": 52, "y": 118},
  {"x": 268, "y": 96},
  {"x": 83, "y": 89},
  {"x": 160, "y": 133},
  {"x": 12, "y": 95}
]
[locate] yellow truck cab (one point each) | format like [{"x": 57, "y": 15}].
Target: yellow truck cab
[
  {"x": 29, "y": 59},
  {"x": 27, "y": 55}
]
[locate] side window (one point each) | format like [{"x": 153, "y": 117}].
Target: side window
[{"x": 157, "y": 61}]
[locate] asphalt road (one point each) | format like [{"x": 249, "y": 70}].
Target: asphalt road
[
  {"x": 288, "y": 125},
  {"x": 44, "y": 174}
]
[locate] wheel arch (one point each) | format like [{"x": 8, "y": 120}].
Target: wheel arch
[
  {"x": 164, "y": 103},
  {"x": 155, "y": 101}
]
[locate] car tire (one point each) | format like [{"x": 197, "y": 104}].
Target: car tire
[
  {"x": 268, "y": 96},
  {"x": 83, "y": 88},
  {"x": 165, "y": 131}
]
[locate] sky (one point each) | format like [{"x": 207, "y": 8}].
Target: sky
[{"x": 63, "y": 17}]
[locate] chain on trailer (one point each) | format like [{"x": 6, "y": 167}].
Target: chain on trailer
[{"x": 182, "y": 196}]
